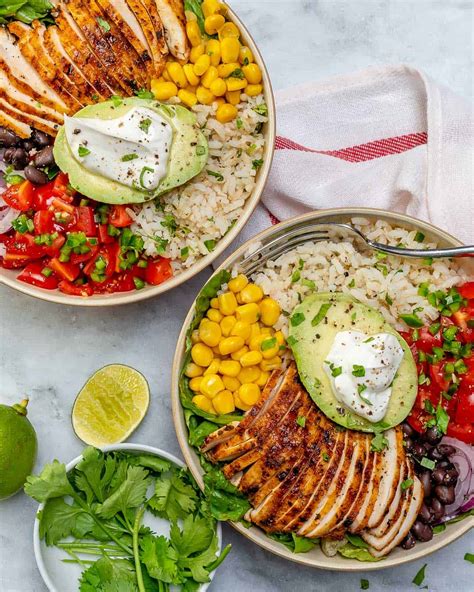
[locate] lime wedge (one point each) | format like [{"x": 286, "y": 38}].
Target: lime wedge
[{"x": 110, "y": 405}]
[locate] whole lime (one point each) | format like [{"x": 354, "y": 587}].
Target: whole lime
[{"x": 18, "y": 447}]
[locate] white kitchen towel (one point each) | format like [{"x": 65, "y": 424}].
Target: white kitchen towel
[{"x": 386, "y": 137}]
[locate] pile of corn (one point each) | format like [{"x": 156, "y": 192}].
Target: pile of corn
[
  {"x": 219, "y": 69},
  {"x": 234, "y": 349}
]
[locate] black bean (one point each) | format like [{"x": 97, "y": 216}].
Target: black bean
[
  {"x": 437, "y": 510},
  {"x": 44, "y": 157},
  {"x": 444, "y": 494},
  {"x": 433, "y": 435},
  {"x": 35, "y": 175},
  {"x": 408, "y": 443},
  {"x": 425, "y": 478},
  {"x": 446, "y": 449},
  {"x": 408, "y": 430},
  {"x": 418, "y": 450},
  {"x": 444, "y": 464},
  {"x": 27, "y": 145},
  {"x": 7, "y": 137},
  {"x": 40, "y": 138},
  {"x": 423, "y": 532},
  {"x": 424, "y": 514},
  {"x": 435, "y": 454},
  {"x": 451, "y": 476},
  {"x": 408, "y": 542},
  {"x": 16, "y": 157},
  {"x": 438, "y": 475}
]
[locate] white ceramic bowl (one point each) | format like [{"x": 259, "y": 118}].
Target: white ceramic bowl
[
  {"x": 63, "y": 577},
  {"x": 8, "y": 277},
  {"x": 315, "y": 558}
]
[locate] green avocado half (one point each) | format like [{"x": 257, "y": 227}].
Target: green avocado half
[
  {"x": 313, "y": 326},
  {"x": 188, "y": 154}
]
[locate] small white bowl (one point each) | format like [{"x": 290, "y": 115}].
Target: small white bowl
[{"x": 64, "y": 577}]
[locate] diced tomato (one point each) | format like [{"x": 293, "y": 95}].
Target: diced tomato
[
  {"x": 109, "y": 253},
  {"x": 60, "y": 204},
  {"x": 158, "y": 270},
  {"x": 85, "y": 221},
  {"x": 83, "y": 257},
  {"x": 19, "y": 197},
  {"x": 61, "y": 187},
  {"x": 24, "y": 244},
  {"x": 43, "y": 196},
  {"x": 44, "y": 222},
  {"x": 463, "y": 432},
  {"x": 427, "y": 341},
  {"x": 53, "y": 249},
  {"x": 32, "y": 275},
  {"x": 66, "y": 271},
  {"x": 122, "y": 282},
  {"x": 14, "y": 260},
  {"x": 467, "y": 290},
  {"x": 104, "y": 236},
  {"x": 438, "y": 376},
  {"x": 468, "y": 377},
  {"x": 118, "y": 217},
  {"x": 465, "y": 404},
  {"x": 73, "y": 290},
  {"x": 417, "y": 419}
]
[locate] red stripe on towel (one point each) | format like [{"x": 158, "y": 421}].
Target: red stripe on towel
[{"x": 363, "y": 152}]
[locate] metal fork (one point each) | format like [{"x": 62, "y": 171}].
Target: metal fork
[{"x": 304, "y": 232}]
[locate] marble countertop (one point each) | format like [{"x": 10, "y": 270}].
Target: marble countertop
[{"x": 47, "y": 351}]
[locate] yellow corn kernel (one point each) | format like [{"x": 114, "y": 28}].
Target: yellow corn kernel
[
  {"x": 251, "y": 358},
  {"x": 211, "y": 385},
  {"x": 195, "y": 384},
  {"x": 238, "y": 283},
  {"x": 251, "y": 293},
  {"x": 216, "y": 350},
  {"x": 219, "y": 101},
  {"x": 232, "y": 384},
  {"x": 204, "y": 96},
  {"x": 241, "y": 329},
  {"x": 209, "y": 77},
  {"x": 203, "y": 403},
  {"x": 195, "y": 336},
  {"x": 166, "y": 76},
  {"x": 239, "y": 299},
  {"x": 177, "y": 74},
  {"x": 229, "y": 31},
  {"x": 272, "y": 364},
  {"x": 210, "y": 332},
  {"x": 189, "y": 73},
  {"x": 213, "y": 50},
  {"x": 187, "y": 97},
  {"x": 280, "y": 338},
  {"x": 252, "y": 73},
  {"x": 225, "y": 70},
  {"x": 256, "y": 342},
  {"x": 213, "y": 367},
  {"x": 218, "y": 87},
  {"x": 245, "y": 55},
  {"x": 269, "y": 350},
  {"x": 266, "y": 330},
  {"x": 238, "y": 354},
  {"x": 249, "y": 394},
  {"x": 213, "y": 23},
  {"x": 193, "y": 370},
  {"x": 229, "y": 368},
  {"x": 230, "y": 345},
  {"x": 164, "y": 90},
  {"x": 254, "y": 331},
  {"x": 230, "y": 48},
  {"x": 191, "y": 89},
  {"x": 223, "y": 403},
  {"x": 269, "y": 311},
  {"x": 234, "y": 84},
  {"x": 253, "y": 90},
  {"x": 194, "y": 33},
  {"x": 214, "y": 315},
  {"x": 239, "y": 404},
  {"x": 226, "y": 113},
  {"x": 202, "y": 64},
  {"x": 249, "y": 313},
  {"x": 227, "y": 303},
  {"x": 233, "y": 97},
  {"x": 226, "y": 325},
  {"x": 196, "y": 53},
  {"x": 211, "y": 7},
  {"x": 201, "y": 354},
  {"x": 262, "y": 380},
  {"x": 214, "y": 303},
  {"x": 249, "y": 374}
]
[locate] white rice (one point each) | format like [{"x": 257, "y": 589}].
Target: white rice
[
  {"x": 190, "y": 220},
  {"x": 389, "y": 285}
]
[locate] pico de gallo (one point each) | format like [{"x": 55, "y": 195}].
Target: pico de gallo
[
  {"x": 445, "y": 361},
  {"x": 81, "y": 247}
]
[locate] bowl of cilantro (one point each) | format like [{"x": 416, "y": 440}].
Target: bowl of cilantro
[{"x": 128, "y": 517}]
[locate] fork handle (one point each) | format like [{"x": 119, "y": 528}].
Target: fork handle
[{"x": 466, "y": 251}]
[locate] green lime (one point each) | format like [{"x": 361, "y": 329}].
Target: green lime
[
  {"x": 110, "y": 405},
  {"x": 18, "y": 447}
]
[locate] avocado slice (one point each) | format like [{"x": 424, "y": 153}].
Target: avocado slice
[
  {"x": 311, "y": 345},
  {"x": 188, "y": 155}
]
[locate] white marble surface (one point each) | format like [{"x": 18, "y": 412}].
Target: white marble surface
[{"x": 48, "y": 351}]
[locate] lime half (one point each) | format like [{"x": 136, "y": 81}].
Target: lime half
[{"x": 110, "y": 405}]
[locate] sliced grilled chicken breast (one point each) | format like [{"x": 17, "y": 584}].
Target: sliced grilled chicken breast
[
  {"x": 21, "y": 129},
  {"x": 27, "y": 118},
  {"x": 158, "y": 46},
  {"x": 172, "y": 16}
]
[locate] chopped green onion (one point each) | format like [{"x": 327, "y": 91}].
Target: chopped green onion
[
  {"x": 301, "y": 421},
  {"x": 351, "y": 284},
  {"x": 297, "y": 319},
  {"x": 419, "y": 237},
  {"x": 142, "y": 264},
  {"x": 83, "y": 151},
  {"x": 128, "y": 157},
  {"x": 256, "y": 164},
  {"x": 139, "y": 284},
  {"x": 143, "y": 172},
  {"x": 321, "y": 314},
  {"x": 268, "y": 344},
  {"x": 406, "y": 484},
  {"x": 46, "y": 271},
  {"x": 296, "y": 275},
  {"x": 427, "y": 463},
  {"x": 210, "y": 245}
]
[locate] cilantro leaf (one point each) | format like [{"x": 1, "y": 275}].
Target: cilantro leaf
[
  {"x": 196, "y": 535},
  {"x": 378, "y": 443},
  {"x": 173, "y": 498},
  {"x": 159, "y": 558},
  {"x": 154, "y": 463},
  {"x": 129, "y": 494},
  {"x": 420, "y": 576},
  {"x": 107, "y": 575},
  {"x": 50, "y": 483},
  {"x": 94, "y": 473},
  {"x": 59, "y": 520}
]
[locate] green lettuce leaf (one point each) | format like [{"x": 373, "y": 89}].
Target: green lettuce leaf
[
  {"x": 195, "y": 7},
  {"x": 224, "y": 499},
  {"x": 351, "y": 552}
]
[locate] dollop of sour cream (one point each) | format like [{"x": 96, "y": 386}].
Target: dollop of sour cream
[
  {"x": 132, "y": 149},
  {"x": 361, "y": 370}
]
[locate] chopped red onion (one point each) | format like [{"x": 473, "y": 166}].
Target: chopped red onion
[{"x": 463, "y": 459}]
